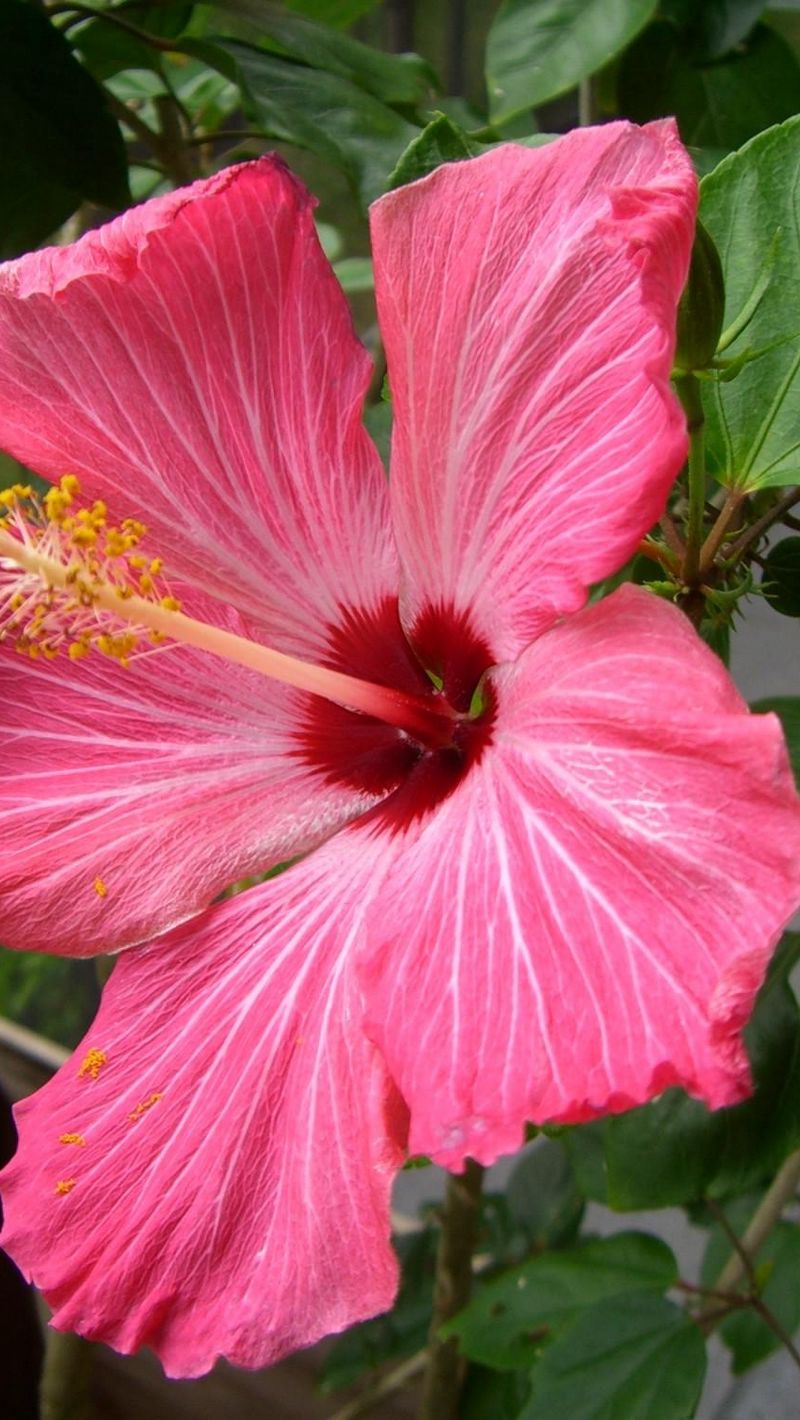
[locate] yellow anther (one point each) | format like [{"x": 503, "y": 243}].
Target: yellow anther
[
  {"x": 70, "y": 485},
  {"x": 170, "y": 603},
  {"x": 92, "y": 1063},
  {"x": 77, "y": 650},
  {"x": 76, "y": 1139},
  {"x": 146, "y": 584},
  {"x": 143, "y": 1107},
  {"x": 65, "y": 1185},
  {"x": 156, "y": 566},
  {"x": 100, "y": 888},
  {"x": 83, "y": 537}
]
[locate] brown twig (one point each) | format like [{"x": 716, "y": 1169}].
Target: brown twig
[{"x": 751, "y": 534}]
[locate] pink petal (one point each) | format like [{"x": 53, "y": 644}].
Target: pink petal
[
  {"x": 194, "y": 363},
  {"x": 527, "y": 303},
  {"x": 586, "y": 920},
  {"x": 163, "y": 784},
  {"x": 214, "y": 1179}
]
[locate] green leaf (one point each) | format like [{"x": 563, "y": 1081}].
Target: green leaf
[
  {"x": 441, "y": 141},
  {"x": 59, "y": 144},
  {"x": 543, "y": 1196},
  {"x": 719, "y": 105},
  {"x": 752, "y": 436},
  {"x": 340, "y": 13},
  {"x": 495, "y": 1394},
  {"x": 675, "y": 1150},
  {"x": 634, "y": 1356},
  {"x": 723, "y": 24},
  {"x": 746, "y": 1334},
  {"x": 322, "y": 112},
  {"x": 393, "y": 78},
  {"x": 787, "y": 708},
  {"x": 107, "y": 49},
  {"x": 780, "y": 576},
  {"x": 510, "y": 1319},
  {"x": 355, "y": 274},
  {"x": 540, "y": 48}
]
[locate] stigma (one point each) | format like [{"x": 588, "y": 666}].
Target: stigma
[{"x": 66, "y": 572}]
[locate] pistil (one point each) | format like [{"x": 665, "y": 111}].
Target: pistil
[{"x": 90, "y": 609}]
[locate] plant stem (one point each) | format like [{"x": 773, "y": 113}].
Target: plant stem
[
  {"x": 772, "y": 515},
  {"x": 688, "y": 387},
  {"x": 781, "y": 1191},
  {"x": 445, "y": 1370},
  {"x": 64, "y": 1391},
  {"x": 719, "y": 531}
]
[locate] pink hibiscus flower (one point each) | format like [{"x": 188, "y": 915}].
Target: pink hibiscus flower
[{"x": 552, "y": 849}]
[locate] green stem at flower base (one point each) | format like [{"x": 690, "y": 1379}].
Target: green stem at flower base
[
  {"x": 688, "y": 387},
  {"x": 444, "y": 1375}
]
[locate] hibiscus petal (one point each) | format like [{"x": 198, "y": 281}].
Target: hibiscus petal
[
  {"x": 586, "y": 920},
  {"x": 194, "y": 363},
  {"x": 210, "y": 1173},
  {"x": 137, "y": 795},
  {"x": 527, "y": 303}
]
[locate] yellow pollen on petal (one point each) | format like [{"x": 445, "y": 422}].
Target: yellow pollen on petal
[
  {"x": 63, "y": 569},
  {"x": 143, "y": 1107},
  {"x": 65, "y": 1185},
  {"x": 92, "y": 1063},
  {"x": 100, "y": 887},
  {"x": 76, "y": 1139}
]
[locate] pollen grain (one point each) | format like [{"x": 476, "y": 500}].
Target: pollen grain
[
  {"x": 144, "y": 1105},
  {"x": 92, "y": 1063}
]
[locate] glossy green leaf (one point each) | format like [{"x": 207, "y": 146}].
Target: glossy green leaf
[
  {"x": 637, "y": 1357},
  {"x": 540, "y": 48},
  {"x": 511, "y": 1318},
  {"x": 322, "y": 112},
  {"x": 393, "y": 78},
  {"x": 59, "y": 143},
  {"x": 717, "y": 105},
  {"x": 780, "y": 576},
  {"x": 441, "y": 141},
  {"x": 675, "y": 1150},
  {"x": 752, "y": 435},
  {"x": 745, "y": 1333},
  {"x": 787, "y": 708}
]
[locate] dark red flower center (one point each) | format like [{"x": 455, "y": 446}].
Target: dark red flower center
[{"x": 441, "y": 660}]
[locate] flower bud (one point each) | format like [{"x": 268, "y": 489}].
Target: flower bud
[{"x": 702, "y": 306}]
